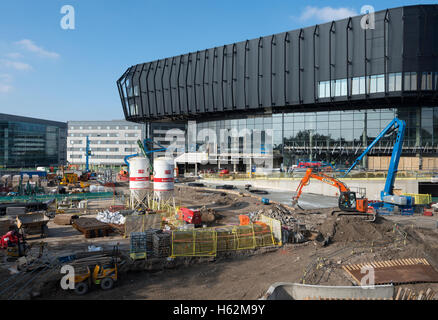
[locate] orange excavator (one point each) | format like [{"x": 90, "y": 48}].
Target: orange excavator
[{"x": 348, "y": 203}]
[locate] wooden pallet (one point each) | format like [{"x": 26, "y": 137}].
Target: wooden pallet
[
  {"x": 412, "y": 270},
  {"x": 92, "y": 228},
  {"x": 408, "y": 294}
]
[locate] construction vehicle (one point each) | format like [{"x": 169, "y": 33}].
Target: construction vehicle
[
  {"x": 190, "y": 216},
  {"x": 104, "y": 275},
  {"x": 348, "y": 202},
  {"x": 14, "y": 243},
  {"x": 123, "y": 175},
  {"x": 69, "y": 178},
  {"x": 389, "y": 202}
]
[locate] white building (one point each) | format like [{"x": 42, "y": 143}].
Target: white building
[{"x": 110, "y": 141}]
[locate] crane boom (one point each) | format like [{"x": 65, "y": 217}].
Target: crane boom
[{"x": 395, "y": 124}]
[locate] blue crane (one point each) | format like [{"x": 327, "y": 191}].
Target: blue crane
[
  {"x": 389, "y": 200},
  {"x": 87, "y": 155},
  {"x": 144, "y": 150}
]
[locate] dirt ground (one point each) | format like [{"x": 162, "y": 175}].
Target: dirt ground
[{"x": 248, "y": 275}]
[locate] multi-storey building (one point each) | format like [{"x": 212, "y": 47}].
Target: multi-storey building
[
  {"x": 29, "y": 142},
  {"x": 321, "y": 93},
  {"x": 110, "y": 141}
]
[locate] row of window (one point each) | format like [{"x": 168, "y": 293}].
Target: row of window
[
  {"x": 128, "y": 135},
  {"x": 376, "y": 84},
  {"x": 112, "y": 157},
  {"x": 102, "y": 149},
  {"x": 133, "y": 142},
  {"x": 104, "y": 127}
]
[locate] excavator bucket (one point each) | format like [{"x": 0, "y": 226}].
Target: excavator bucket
[{"x": 296, "y": 205}]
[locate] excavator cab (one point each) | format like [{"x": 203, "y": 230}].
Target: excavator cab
[{"x": 347, "y": 201}]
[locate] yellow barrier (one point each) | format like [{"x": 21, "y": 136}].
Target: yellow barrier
[
  {"x": 275, "y": 226},
  {"x": 420, "y": 198},
  {"x": 209, "y": 241},
  {"x": 193, "y": 243}
]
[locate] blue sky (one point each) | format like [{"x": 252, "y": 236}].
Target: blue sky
[{"x": 52, "y": 73}]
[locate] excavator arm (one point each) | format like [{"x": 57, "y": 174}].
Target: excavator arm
[
  {"x": 347, "y": 199},
  {"x": 321, "y": 177}
]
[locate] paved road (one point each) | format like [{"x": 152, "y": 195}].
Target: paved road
[{"x": 307, "y": 200}]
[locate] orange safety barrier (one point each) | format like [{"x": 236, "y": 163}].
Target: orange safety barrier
[{"x": 244, "y": 220}]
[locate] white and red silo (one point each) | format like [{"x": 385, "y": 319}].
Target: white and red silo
[
  {"x": 163, "y": 178},
  {"x": 139, "y": 177}
]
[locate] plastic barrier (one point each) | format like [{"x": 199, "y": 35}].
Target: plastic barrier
[
  {"x": 275, "y": 226},
  {"x": 195, "y": 243},
  {"x": 420, "y": 198},
  {"x": 209, "y": 241}
]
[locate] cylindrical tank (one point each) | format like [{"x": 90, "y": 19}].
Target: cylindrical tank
[
  {"x": 139, "y": 176},
  {"x": 163, "y": 177}
]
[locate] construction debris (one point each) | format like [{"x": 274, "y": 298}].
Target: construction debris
[{"x": 111, "y": 217}]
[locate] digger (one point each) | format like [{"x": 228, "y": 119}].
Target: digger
[
  {"x": 104, "y": 275},
  {"x": 348, "y": 203}
]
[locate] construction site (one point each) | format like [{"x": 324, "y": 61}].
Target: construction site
[
  {"x": 148, "y": 233},
  {"x": 297, "y": 166}
]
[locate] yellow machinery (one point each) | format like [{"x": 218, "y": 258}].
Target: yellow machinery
[
  {"x": 84, "y": 185},
  {"x": 103, "y": 274},
  {"x": 69, "y": 178}
]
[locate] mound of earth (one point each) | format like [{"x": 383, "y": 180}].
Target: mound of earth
[{"x": 348, "y": 229}]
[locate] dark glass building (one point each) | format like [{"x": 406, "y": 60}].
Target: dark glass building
[
  {"x": 326, "y": 91},
  {"x": 29, "y": 142}
]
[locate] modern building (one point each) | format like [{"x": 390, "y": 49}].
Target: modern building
[
  {"x": 325, "y": 91},
  {"x": 29, "y": 142},
  {"x": 110, "y": 141}
]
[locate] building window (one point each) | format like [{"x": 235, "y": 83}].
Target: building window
[
  {"x": 426, "y": 81},
  {"x": 324, "y": 89},
  {"x": 394, "y": 82},
  {"x": 376, "y": 83},
  {"x": 436, "y": 80},
  {"x": 358, "y": 85},
  {"x": 410, "y": 81}
]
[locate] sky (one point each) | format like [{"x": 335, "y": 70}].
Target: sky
[{"x": 49, "y": 72}]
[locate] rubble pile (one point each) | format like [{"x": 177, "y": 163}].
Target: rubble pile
[
  {"x": 111, "y": 217},
  {"x": 276, "y": 212}
]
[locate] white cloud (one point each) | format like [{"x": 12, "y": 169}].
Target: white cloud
[
  {"x": 326, "y": 14},
  {"x": 5, "y": 88},
  {"x": 17, "y": 65},
  {"x": 32, "y": 47},
  {"x": 5, "y": 85},
  {"x": 5, "y": 77},
  {"x": 14, "y": 55}
]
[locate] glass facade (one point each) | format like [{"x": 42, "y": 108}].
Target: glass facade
[
  {"x": 28, "y": 143},
  {"x": 376, "y": 84},
  {"x": 339, "y": 136}
]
